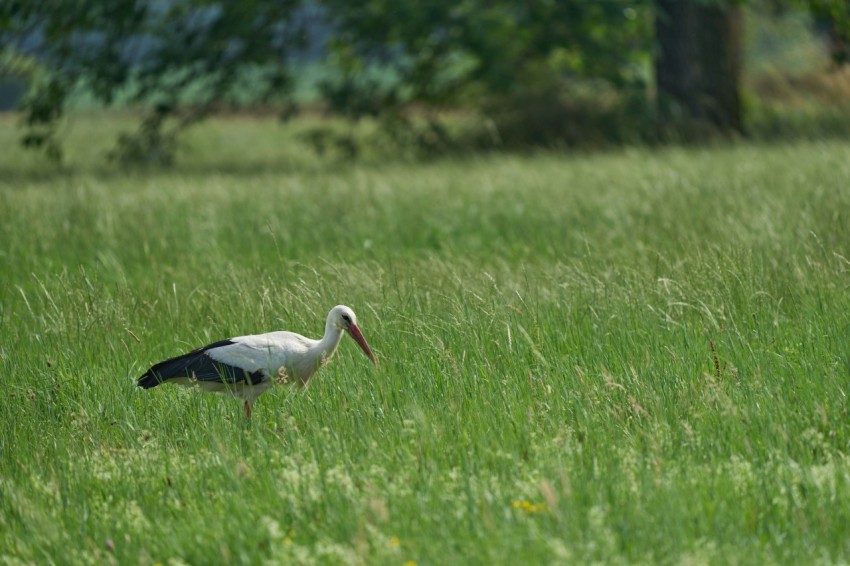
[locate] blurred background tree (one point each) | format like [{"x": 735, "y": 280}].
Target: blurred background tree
[
  {"x": 181, "y": 59},
  {"x": 523, "y": 74},
  {"x": 834, "y": 17},
  {"x": 534, "y": 69},
  {"x": 698, "y": 62}
]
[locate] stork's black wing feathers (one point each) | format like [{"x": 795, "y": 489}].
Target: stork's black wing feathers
[{"x": 197, "y": 364}]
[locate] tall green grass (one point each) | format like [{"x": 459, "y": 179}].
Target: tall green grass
[{"x": 632, "y": 357}]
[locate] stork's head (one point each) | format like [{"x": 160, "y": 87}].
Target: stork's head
[{"x": 343, "y": 318}]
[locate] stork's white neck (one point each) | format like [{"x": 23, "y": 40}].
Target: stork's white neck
[{"x": 326, "y": 347}]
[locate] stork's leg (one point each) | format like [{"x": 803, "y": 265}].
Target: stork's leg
[{"x": 247, "y": 409}]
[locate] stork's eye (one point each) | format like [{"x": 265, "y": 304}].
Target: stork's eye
[{"x": 346, "y": 318}]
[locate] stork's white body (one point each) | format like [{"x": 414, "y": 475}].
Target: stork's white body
[
  {"x": 246, "y": 366},
  {"x": 282, "y": 357}
]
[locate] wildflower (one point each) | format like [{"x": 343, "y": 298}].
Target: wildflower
[
  {"x": 272, "y": 526},
  {"x": 528, "y": 507},
  {"x": 395, "y": 542},
  {"x": 410, "y": 563},
  {"x": 282, "y": 378},
  {"x": 242, "y": 469}
]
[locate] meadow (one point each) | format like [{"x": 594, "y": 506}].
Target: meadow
[{"x": 627, "y": 357}]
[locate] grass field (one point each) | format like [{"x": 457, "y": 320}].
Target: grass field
[{"x": 635, "y": 357}]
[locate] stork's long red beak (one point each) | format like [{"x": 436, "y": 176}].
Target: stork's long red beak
[{"x": 358, "y": 337}]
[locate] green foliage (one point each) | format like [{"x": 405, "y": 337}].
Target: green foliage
[
  {"x": 45, "y": 99},
  {"x": 523, "y": 74},
  {"x": 441, "y": 51},
  {"x": 150, "y": 145},
  {"x": 548, "y": 390},
  {"x": 196, "y": 46},
  {"x": 835, "y": 16},
  {"x": 513, "y": 61}
]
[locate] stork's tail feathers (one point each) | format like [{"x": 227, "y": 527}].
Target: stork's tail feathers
[
  {"x": 148, "y": 380},
  {"x": 163, "y": 371},
  {"x": 195, "y": 363}
]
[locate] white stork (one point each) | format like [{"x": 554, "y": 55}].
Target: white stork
[{"x": 248, "y": 365}]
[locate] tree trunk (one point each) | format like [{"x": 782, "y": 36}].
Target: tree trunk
[
  {"x": 832, "y": 20},
  {"x": 698, "y": 65}
]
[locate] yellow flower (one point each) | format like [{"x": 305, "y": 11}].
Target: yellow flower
[
  {"x": 528, "y": 507},
  {"x": 410, "y": 563},
  {"x": 394, "y": 542}
]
